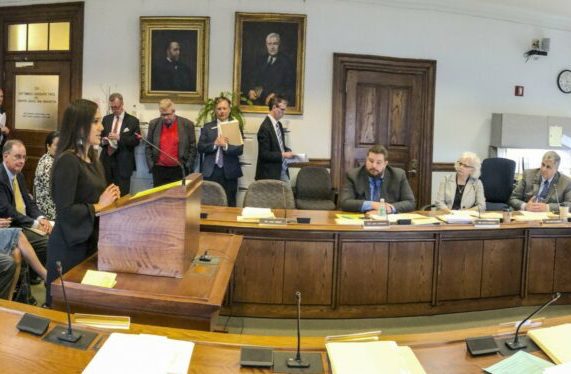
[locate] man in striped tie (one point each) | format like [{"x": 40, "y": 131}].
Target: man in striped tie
[
  {"x": 543, "y": 189},
  {"x": 272, "y": 150},
  {"x": 16, "y": 202}
]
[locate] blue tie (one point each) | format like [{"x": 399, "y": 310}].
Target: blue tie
[
  {"x": 544, "y": 191},
  {"x": 376, "y": 195}
]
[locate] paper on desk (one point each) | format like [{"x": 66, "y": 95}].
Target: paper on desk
[
  {"x": 521, "y": 362},
  {"x": 99, "y": 278},
  {"x": 554, "y": 341},
  {"x": 372, "y": 357},
  {"x": 559, "y": 369},
  {"x": 131, "y": 353},
  {"x": 251, "y": 212},
  {"x": 532, "y": 216}
]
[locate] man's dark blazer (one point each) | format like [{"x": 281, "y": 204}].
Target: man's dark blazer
[
  {"x": 395, "y": 190},
  {"x": 8, "y": 205},
  {"x": 186, "y": 143},
  {"x": 208, "y": 135},
  {"x": 278, "y": 78},
  {"x": 172, "y": 76},
  {"x": 270, "y": 159},
  {"x": 125, "y": 152}
]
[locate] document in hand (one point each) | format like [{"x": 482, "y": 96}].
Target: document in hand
[{"x": 231, "y": 130}]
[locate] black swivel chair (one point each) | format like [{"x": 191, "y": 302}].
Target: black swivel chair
[
  {"x": 498, "y": 179},
  {"x": 313, "y": 189}
]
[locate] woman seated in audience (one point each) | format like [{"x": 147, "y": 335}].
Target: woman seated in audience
[
  {"x": 463, "y": 189},
  {"x": 14, "y": 243},
  {"x": 42, "y": 178}
]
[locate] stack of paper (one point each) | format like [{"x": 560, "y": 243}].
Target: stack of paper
[
  {"x": 554, "y": 341},
  {"x": 372, "y": 357},
  {"x": 533, "y": 216},
  {"x": 250, "y": 214},
  {"x": 231, "y": 131},
  {"x": 349, "y": 219},
  {"x": 521, "y": 362},
  {"x": 99, "y": 278},
  {"x": 463, "y": 219},
  {"x": 127, "y": 353}
]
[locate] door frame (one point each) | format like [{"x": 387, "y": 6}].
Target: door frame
[{"x": 342, "y": 63}]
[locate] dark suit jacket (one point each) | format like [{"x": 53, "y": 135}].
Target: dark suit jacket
[
  {"x": 395, "y": 190},
  {"x": 125, "y": 153},
  {"x": 278, "y": 78},
  {"x": 269, "y": 164},
  {"x": 208, "y": 135},
  {"x": 8, "y": 205},
  {"x": 528, "y": 187},
  {"x": 186, "y": 143},
  {"x": 172, "y": 76}
]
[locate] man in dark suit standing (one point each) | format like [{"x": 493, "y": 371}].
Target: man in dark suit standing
[
  {"x": 174, "y": 136},
  {"x": 15, "y": 201},
  {"x": 273, "y": 74},
  {"x": 221, "y": 162},
  {"x": 118, "y": 142},
  {"x": 272, "y": 151},
  {"x": 366, "y": 185}
]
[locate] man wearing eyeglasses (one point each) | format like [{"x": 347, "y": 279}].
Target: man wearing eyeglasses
[
  {"x": 272, "y": 151},
  {"x": 174, "y": 136},
  {"x": 365, "y": 186},
  {"x": 16, "y": 203},
  {"x": 543, "y": 189},
  {"x": 118, "y": 142}
]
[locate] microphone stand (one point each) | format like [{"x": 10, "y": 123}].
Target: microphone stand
[
  {"x": 516, "y": 343},
  {"x": 297, "y": 362},
  {"x": 67, "y": 335},
  {"x": 183, "y": 172}
]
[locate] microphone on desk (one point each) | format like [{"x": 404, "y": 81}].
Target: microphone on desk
[
  {"x": 297, "y": 362},
  {"x": 140, "y": 137},
  {"x": 516, "y": 343},
  {"x": 67, "y": 335}
]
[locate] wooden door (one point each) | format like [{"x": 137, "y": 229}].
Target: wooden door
[
  {"x": 34, "y": 138},
  {"x": 386, "y": 101}
]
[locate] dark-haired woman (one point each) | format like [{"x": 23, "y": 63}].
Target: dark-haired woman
[
  {"x": 42, "y": 177},
  {"x": 78, "y": 189}
]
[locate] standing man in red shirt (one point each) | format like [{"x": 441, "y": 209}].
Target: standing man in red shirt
[{"x": 175, "y": 136}]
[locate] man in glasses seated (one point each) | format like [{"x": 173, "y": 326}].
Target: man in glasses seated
[{"x": 540, "y": 190}]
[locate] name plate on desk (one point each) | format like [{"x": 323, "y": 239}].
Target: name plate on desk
[
  {"x": 376, "y": 225},
  {"x": 487, "y": 223},
  {"x": 552, "y": 221},
  {"x": 273, "y": 221}
]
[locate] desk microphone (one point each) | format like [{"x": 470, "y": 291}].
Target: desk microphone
[
  {"x": 67, "y": 335},
  {"x": 297, "y": 362},
  {"x": 516, "y": 343},
  {"x": 140, "y": 137}
]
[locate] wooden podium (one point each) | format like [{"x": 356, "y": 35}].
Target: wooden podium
[{"x": 154, "y": 232}]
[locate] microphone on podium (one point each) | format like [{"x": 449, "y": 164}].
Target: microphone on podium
[{"x": 141, "y": 137}]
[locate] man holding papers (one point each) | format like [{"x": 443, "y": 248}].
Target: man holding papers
[
  {"x": 220, "y": 161},
  {"x": 366, "y": 185},
  {"x": 543, "y": 189}
]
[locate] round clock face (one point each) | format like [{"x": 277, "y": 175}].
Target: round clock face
[{"x": 564, "y": 81}]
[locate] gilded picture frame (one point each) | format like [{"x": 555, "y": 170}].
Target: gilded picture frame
[
  {"x": 269, "y": 59},
  {"x": 174, "y": 59}
]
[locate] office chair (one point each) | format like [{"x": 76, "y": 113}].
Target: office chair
[
  {"x": 269, "y": 193},
  {"x": 498, "y": 179},
  {"x": 213, "y": 194},
  {"x": 313, "y": 189}
]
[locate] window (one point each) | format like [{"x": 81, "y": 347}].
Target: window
[{"x": 52, "y": 36}]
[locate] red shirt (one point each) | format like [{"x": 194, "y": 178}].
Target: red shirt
[{"x": 169, "y": 144}]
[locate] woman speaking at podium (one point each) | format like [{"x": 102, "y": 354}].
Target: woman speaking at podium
[{"x": 78, "y": 189}]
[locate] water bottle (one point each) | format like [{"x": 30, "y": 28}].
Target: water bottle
[{"x": 382, "y": 210}]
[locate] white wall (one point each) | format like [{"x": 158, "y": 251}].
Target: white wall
[{"x": 479, "y": 60}]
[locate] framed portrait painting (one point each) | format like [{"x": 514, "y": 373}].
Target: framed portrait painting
[
  {"x": 269, "y": 59},
  {"x": 174, "y": 59}
]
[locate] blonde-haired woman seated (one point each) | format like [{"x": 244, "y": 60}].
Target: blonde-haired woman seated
[{"x": 463, "y": 189}]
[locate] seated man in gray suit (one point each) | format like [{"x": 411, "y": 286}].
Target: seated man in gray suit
[
  {"x": 540, "y": 190},
  {"x": 366, "y": 185}
]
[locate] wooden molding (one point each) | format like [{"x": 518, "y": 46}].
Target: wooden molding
[
  {"x": 443, "y": 166},
  {"x": 319, "y": 162}
]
